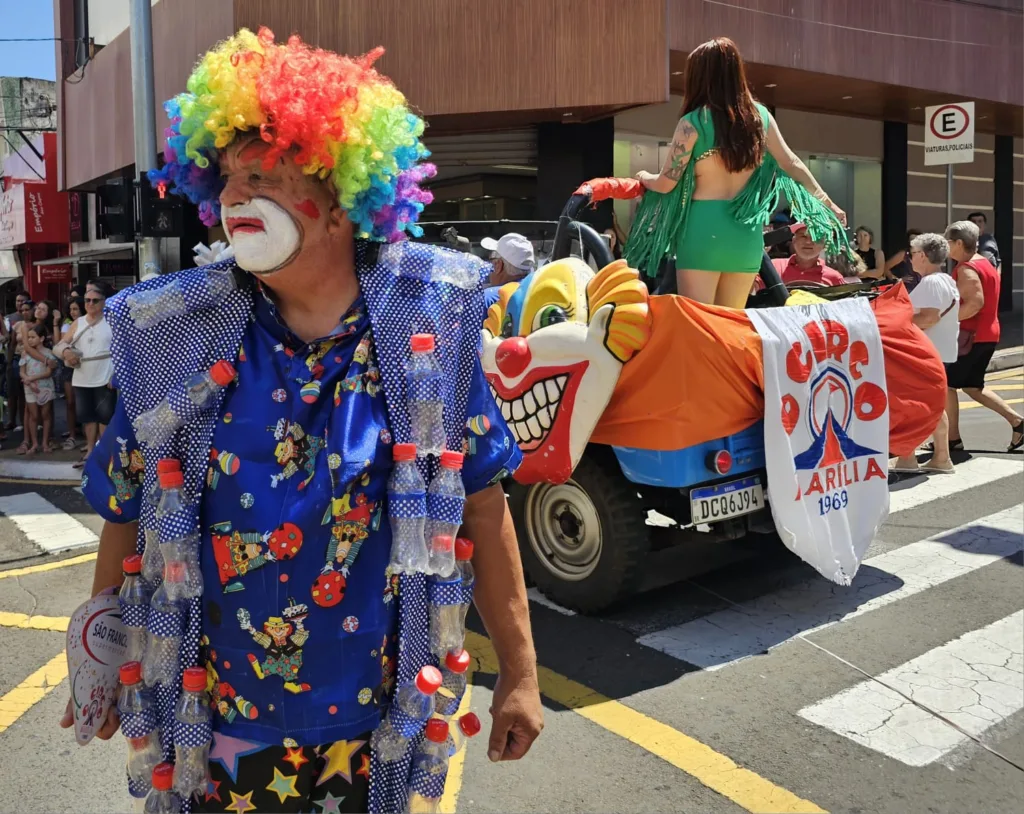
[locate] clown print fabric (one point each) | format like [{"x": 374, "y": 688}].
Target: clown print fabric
[{"x": 299, "y": 614}]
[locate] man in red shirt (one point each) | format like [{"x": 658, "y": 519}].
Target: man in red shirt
[{"x": 805, "y": 265}]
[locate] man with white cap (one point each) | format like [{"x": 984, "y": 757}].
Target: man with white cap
[{"x": 512, "y": 259}]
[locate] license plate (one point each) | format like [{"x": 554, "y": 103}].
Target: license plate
[{"x": 709, "y": 504}]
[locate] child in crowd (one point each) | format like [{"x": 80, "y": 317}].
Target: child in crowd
[{"x": 37, "y": 366}]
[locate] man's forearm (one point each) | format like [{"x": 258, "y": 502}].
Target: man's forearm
[
  {"x": 117, "y": 541},
  {"x": 500, "y": 593}
]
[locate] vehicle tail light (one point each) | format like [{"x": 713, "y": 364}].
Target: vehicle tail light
[{"x": 720, "y": 462}]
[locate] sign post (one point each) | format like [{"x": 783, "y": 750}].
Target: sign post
[{"x": 949, "y": 140}]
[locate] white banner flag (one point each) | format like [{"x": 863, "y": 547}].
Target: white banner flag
[{"x": 826, "y": 430}]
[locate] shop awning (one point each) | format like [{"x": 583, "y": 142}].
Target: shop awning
[{"x": 88, "y": 257}]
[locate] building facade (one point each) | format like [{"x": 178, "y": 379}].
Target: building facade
[{"x": 527, "y": 98}]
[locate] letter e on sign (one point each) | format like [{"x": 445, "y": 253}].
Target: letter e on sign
[{"x": 949, "y": 134}]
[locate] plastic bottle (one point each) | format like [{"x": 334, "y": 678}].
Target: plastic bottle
[
  {"x": 429, "y": 766},
  {"x": 152, "y": 559},
  {"x": 160, "y": 664},
  {"x": 152, "y": 306},
  {"x": 425, "y": 383},
  {"x": 446, "y": 627},
  {"x": 134, "y": 602},
  {"x": 463, "y": 558},
  {"x": 412, "y": 706},
  {"x": 161, "y": 800},
  {"x": 453, "y": 682},
  {"x": 138, "y": 717},
  {"x": 157, "y": 425},
  {"x": 180, "y": 553},
  {"x": 192, "y": 735},
  {"x": 445, "y": 498},
  {"x": 407, "y": 507},
  {"x": 162, "y": 466},
  {"x": 468, "y": 726}
]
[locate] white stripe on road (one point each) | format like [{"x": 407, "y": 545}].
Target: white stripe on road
[
  {"x": 913, "y": 492},
  {"x": 44, "y": 524},
  {"x": 536, "y": 596},
  {"x": 975, "y": 681},
  {"x": 754, "y": 627}
]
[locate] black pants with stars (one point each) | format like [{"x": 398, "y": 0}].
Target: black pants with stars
[{"x": 329, "y": 779}]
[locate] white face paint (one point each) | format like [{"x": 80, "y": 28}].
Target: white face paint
[{"x": 262, "y": 233}]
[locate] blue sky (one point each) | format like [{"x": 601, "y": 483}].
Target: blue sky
[{"x": 26, "y": 18}]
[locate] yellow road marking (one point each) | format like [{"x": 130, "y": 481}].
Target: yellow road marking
[
  {"x": 974, "y": 404},
  {"x": 32, "y": 690},
  {"x": 716, "y": 771},
  {"x": 58, "y": 624},
  {"x": 44, "y": 482},
  {"x": 453, "y": 785},
  {"x": 47, "y": 566},
  {"x": 1004, "y": 387},
  {"x": 1007, "y": 374}
]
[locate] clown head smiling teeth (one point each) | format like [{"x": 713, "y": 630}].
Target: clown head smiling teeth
[{"x": 270, "y": 139}]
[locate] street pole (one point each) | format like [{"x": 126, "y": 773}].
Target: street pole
[
  {"x": 949, "y": 194},
  {"x": 144, "y": 117}
]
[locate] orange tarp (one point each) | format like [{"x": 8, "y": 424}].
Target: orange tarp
[{"x": 701, "y": 377}]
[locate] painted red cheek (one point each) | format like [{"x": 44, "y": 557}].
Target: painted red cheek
[{"x": 309, "y": 209}]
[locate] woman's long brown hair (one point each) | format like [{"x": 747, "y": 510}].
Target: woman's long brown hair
[{"x": 716, "y": 79}]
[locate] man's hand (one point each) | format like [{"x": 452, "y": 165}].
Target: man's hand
[
  {"x": 517, "y": 717},
  {"x": 105, "y": 732}
]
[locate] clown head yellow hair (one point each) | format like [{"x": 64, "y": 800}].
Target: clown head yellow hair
[{"x": 335, "y": 115}]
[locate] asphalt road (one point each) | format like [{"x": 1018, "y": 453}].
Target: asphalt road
[{"x": 757, "y": 687}]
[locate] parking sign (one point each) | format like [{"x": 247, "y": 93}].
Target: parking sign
[{"x": 949, "y": 134}]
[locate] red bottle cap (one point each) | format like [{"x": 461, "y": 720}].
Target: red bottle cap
[
  {"x": 130, "y": 673},
  {"x": 172, "y": 480},
  {"x": 168, "y": 465},
  {"x": 421, "y": 343},
  {"x": 163, "y": 777},
  {"x": 194, "y": 679},
  {"x": 469, "y": 725},
  {"x": 463, "y": 549},
  {"x": 132, "y": 564},
  {"x": 436, "y": 730},
  {"x": 223, "y": 373},
  {"x": 457, "y": 661},
  {"x": 442, "y": 543},
  {"x": 428, "y": 680},
  {"x": 451, "y": 460},
  {"x": 403, "y": 452}
]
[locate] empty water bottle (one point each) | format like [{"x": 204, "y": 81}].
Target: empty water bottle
[
  {"x": 182, "y": 577},
  {"x": 152, "y": 306},
  {"x": 425, "y": 382},
  {"x": 133, "y": 600},
  {"x": 468, "y": 726},
  {"x": 161, "y": 799},
  {"x": 192, "y": 735},
  {"x": 463, "y": 558},
  {"x": 407, "y": 506},
  {"x": 139, "y": 724},
  {"x": 162, "y": 466},
  {"x": 429, "y": 768},
  {"x": 160, "y": 664},
  {"x": 453, "y": 682},
  {"x": 413, "y": 704},
  {"x": 198, "y": 393},
  {"x": 444, "y": 610},
  {"x": 445, "y": 498}
]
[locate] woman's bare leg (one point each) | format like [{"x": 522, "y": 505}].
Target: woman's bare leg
[
  {"x": 733, "y": 289},
  {"x": 69, "y": 402},
  {"x": 992, "y": 400},
  {"x": 953, "y": 414},
  {"x": 940, "y": 457},
  {"x": 698, "y": 285}
]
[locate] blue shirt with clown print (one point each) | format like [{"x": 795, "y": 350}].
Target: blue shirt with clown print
[{"x": 299, "y": 611}]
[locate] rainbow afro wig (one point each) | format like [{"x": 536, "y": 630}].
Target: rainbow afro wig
[{"x": 338, "y": 117}]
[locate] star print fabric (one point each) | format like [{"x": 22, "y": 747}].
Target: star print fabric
[{"x": 332, "y": 778}]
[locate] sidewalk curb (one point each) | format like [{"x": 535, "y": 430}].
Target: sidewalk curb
[
  {"x": 1005, "y": 359},
  {"x": 39, "y": 470}
]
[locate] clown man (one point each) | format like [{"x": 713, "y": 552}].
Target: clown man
[{"x": 312, "y": 161}]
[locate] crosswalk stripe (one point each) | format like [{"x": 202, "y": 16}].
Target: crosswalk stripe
[
  {"x": 917, "y": 490},
  {"x": 44, "y": 524},
  {"x": 972, "y": 405},
  {"x": 975, "y": 682},
  {"x": 727, "y": 636}
]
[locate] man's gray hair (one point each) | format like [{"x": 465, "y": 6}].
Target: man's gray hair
[
  {"x": 934, "y": 247},
  {"x": 966, "y": 232}
]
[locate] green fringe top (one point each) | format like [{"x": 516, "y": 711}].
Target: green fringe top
[{"x": 661, "y": 217}]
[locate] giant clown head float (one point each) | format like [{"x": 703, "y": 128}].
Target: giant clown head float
[{"x": 553, "y": 347}]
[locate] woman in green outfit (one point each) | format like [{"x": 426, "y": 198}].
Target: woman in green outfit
[{"x": 722, "y": 180}]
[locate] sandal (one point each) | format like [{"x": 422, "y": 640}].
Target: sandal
[
  {"x": 931, "y": 469},
  {"x": 69, "y": 444},
  {"x": 23, "y": 449},
  {"x": 1017, "y": 439},
  {"x": 955, "y": 444}
]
